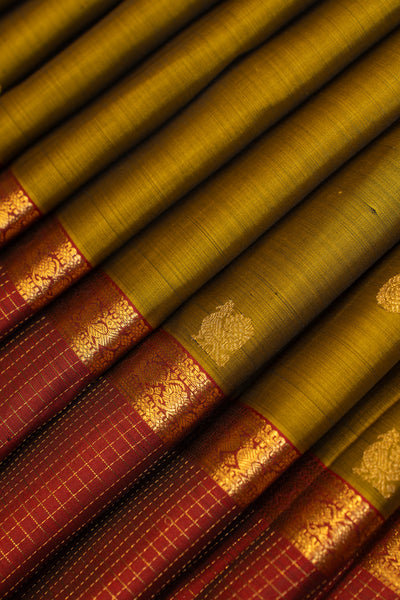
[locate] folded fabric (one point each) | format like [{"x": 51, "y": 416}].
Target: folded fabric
[
  {"x": 332, "y": 520},
  {"x": 377, "y": 575},
  {"x": 86, "y": 331},
  {"x": 239, "y": 106},
  {"x": 148, "y": 538},
  {"x": 112, "y": 46},
  {"x": 152, "y": 398},
  {"x": 36, "y": 28},
  {"x": 285, "y": 492},
  {"x": 326, "y": 131}
]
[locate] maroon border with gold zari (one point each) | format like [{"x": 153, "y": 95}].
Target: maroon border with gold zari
[
  {"x": 35, "y": 270},
  {"x": 84, "y": 459},
  {"x": 73, "y": 341},
  {"x": 17, "y": 210}
]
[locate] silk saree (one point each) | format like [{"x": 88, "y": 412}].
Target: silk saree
[{"x": 200, "y": 299}]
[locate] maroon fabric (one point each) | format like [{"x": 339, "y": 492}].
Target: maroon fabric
[
  {"x": 39, "y": 373},
  {"x": 67, "y": 474}
]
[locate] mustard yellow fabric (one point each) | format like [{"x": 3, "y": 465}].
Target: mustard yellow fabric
[
  {"x": 36, "y": 28},
  {"x": 357, "y": 420},
  {"x": 88, "y": 143},
  {"x": 275, "y": 288},
  {"x": 370, "y": 463},
  {"x": 232, "y": 86},
  {"x": 335, "y": 363},
  {"x": 88, "y": 65},
  {"x": 209, "y": 132},
  {"x": 341, "y": 229}
]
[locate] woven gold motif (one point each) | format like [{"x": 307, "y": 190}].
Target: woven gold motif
[
  {"x": 380, "y": 465},
  {"x": 329, "y": 522},
  {"x": 245, "y": 455},
  {"x": 384, "y": 560},
  {"x": 389, "y": 295},
  {"x": 223, "y": 332},
  {"x": 98, "y": 321},
  {"x": 17, "y": 211},
  {"x": 166, "y": 386},
  {"x": 46, "y": 265}
]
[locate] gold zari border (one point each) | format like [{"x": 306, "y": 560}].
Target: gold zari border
[
  {"x": 167, "y": 387},
  {"x": 330, "y": 522},
  {"x": 98, "y": 321},
  {"x": 384, "y": 560},
  {"x": 45, "y": 265},
  {"x": 245, "y": 455},
  {"x": 17, "y": 211}
]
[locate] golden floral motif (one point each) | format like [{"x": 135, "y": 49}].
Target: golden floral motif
[
  {"x": 166, "y": 386},
  {"x": 389, "y": 295},
  {"x": 17, "y": 211},
  {"x": 384, "y": 560},
  {"x": 329, "y": 522},
  {"x": 98, "y": 321},
  {"x": 45, "y": 263},
  {"x": 244, "y": 455},
  {"x": 223, "y": 332},
  {"x": 380, "y": 465}
]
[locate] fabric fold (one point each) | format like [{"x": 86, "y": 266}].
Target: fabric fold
[
  {"x": 377, "y": 575},
  {"x": 244, "y": 101},
  {"x": 49, "y": 259},
  {"x": 138, "y": 547},
  {"x": 302, "y": 552},
  {"x": 144, "y": 282},
  {"x": 156, "y": 395},
  {"x": 113, "y": 46},
  {"x": 243, "y": 532},
  {"x": 206, "y": 405},
  {"x": 35, "y": 29},
  {"x": 86, "y": 330}
]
